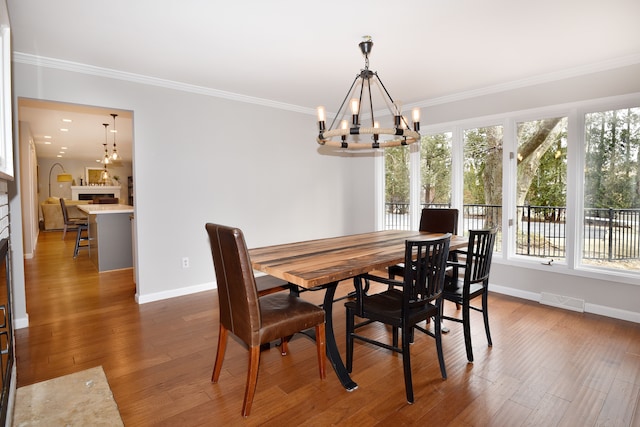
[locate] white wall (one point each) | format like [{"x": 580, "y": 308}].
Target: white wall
[{"x": 198, "y": 158}]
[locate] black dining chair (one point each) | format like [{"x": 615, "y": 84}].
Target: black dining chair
[
  {"x": 435, "y": 220},
  {"x": 255, "y": 319},
  {"x": 477, "y": 267},
  {"x": 416, "y": 298},
  {"x": 80, "y": 225}
]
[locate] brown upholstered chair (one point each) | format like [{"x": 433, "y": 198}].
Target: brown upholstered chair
[
  {"x": 80, "y": 225},
  {"x": 475, "y": 284},
  {"x": 253, "y": 319},
  {"x": 418, "y": 298}
]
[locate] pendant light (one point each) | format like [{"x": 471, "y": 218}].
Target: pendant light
[
  {"x": 114, "y": 153},
  {"x": 106, "y": 159}
]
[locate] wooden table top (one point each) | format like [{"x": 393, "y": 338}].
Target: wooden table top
[{"x": 318, "y": 262}]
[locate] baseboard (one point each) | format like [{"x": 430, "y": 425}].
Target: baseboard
[
  {"x": 615, "y": 313},
  {"x": 159, "y": 296},
  {"x": 21, "y": 322}
]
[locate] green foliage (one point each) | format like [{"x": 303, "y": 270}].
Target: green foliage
[
  {"x": 548, "y": 186},
  {"x": 396, "y": 174},
  {"x": 435, "y": 168},
  {"x": 612, "y": 161}
]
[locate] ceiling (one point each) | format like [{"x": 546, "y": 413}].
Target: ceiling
[
  {"x": 85, "y": 135},
  {"x": 306, "y": 54}
]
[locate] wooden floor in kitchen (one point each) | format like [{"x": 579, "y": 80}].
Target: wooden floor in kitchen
[{"x": 547, "y": 366}]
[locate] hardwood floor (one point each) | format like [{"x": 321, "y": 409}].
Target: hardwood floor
[{"x": 547, "y": 366}]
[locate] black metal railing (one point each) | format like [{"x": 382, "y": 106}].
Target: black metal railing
[
  {"x": 541, "y": 231},
  {"x": 609, "y": 234}
]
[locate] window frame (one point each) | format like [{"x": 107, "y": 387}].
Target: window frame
[{"x": 575, "y": 113}]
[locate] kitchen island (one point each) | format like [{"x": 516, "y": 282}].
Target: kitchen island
[{"x": 110, "y": 245}]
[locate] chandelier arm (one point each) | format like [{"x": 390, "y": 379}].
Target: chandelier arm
[
  {"x": 385, "y": 89},
  {"x": 373, "y": 119},
  {"x": 360, "y": 100},
  {"x": 343, "y": 102}
]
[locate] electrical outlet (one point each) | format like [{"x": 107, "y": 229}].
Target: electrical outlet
[{"x": 185, "y": 262}]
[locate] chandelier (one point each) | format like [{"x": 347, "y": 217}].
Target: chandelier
[{"x": 351, "y": 132}]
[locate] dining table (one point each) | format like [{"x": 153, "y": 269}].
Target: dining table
[{"x": 323, "y": 263}]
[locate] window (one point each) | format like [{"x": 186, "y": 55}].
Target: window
[
  {"x": 435, "y": 170},
  {"x": 482, "y": 196},
  {"x": 541, "y": 188},
  {"x": 396, "y": 184},
  {"x": 566, "y": 180},
  {"x": 611, "y": 227}
]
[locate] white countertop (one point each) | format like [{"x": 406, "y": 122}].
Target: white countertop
[{"x": 105, "y": 209}]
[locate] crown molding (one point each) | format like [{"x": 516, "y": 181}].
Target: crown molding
[
  {"x": 611, "y": 64},
  {"x": 41, "y": 61},
  {"x": 76, "y": 67}
]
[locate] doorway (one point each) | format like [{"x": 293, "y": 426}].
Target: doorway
[{"x": 66, "y": 140}]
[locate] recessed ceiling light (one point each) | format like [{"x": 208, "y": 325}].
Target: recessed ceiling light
[
  {"x": 66, "y": 120},
  {"x": 59, "y": 155},
  {"x": 63, "y": 148},
  {"x": 64, "y": 130},
  {"x": 47, "y": 143},
  {"x": 47, "y": 137}
]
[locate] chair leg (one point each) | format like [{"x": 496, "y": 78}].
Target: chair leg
[
  {"x": 78, "y": 237},
  {"x": 350, "y": 327},
  {"x": 466, "y": 324},
  {"x": 394, "y": 336},
  {"x": 406, "y": 362},
  {"x": 222, "y": 347},
  {"x": 322, "y": 350},
  {"x": 252, "y": 379},
  {"x": 284, "y": 345},
  {"x": 485, "y": 314},
  {"x": 437, "y": 325},
  {"x": 64, "y": 231}
]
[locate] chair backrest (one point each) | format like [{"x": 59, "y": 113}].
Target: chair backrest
[
  {"x": 237, "y": 294},
  {"x": 439, "y": 220},
  {"x": 65, "y": 214},
  {"x": 425, "y": 280},
  {"x": 479, "y": 254}
]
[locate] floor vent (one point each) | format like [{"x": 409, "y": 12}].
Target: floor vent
[{"x": 561, "y": 301}]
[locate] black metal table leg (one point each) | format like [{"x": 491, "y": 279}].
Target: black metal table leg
[{"x": 332, "y": 347}]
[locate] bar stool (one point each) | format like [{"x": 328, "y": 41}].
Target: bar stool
[
  {"x": 81, "y": 238},
  {"x": 79, "y": 225}
]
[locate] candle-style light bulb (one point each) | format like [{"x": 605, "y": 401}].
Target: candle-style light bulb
[
  {"x": 355, "y": 109},
  {"x": 376, "y": 125},
  {"x": 344, "y": 125},
  {"x": 322, "y": 117},
  {"x": 397, "y": 118},
  {"x": 403, "y": 122},
  {"x": 416, "y": 119}
]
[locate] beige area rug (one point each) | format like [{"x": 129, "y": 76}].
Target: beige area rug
[{"x": 80, "y": 399}]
